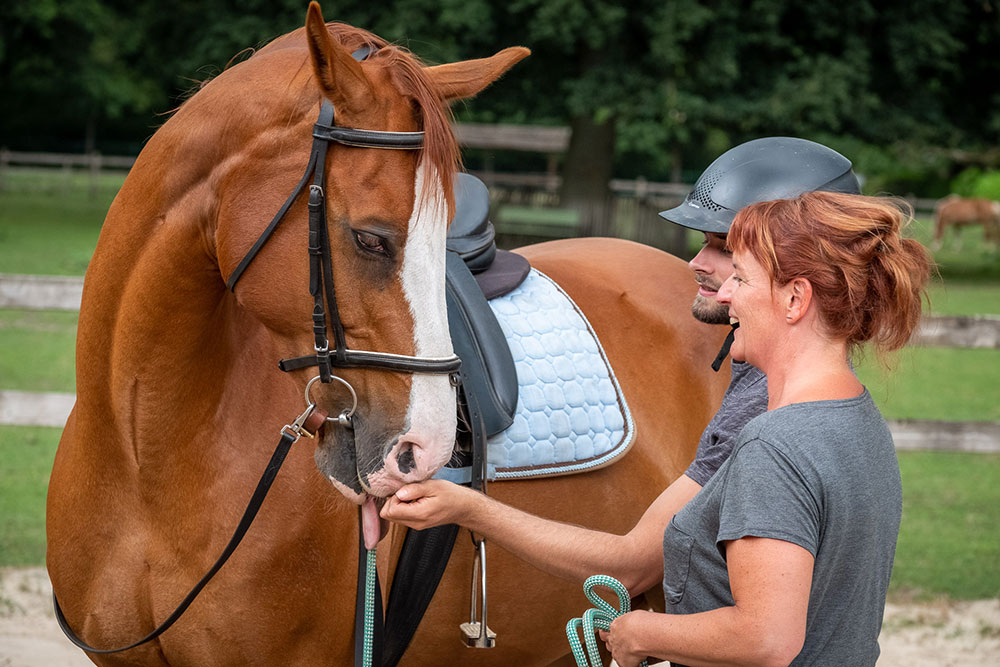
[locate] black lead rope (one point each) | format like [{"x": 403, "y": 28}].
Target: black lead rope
[
  {"x": 270, "y": 472},
  {"x": 726, "y": 344}
]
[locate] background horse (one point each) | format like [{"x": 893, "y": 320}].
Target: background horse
[
  {"x": 179, "y": 399},
  {"x": 955, "y": 211}
]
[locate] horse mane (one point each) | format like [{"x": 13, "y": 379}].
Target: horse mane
[{"x": 407, "y": 70}]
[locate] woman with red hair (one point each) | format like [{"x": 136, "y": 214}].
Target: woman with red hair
[{"x": 785, "y": 556}]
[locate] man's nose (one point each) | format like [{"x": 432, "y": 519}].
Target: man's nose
[{"x": 697, "y": 265}]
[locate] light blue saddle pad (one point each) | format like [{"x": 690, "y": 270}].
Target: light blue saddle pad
[{"x": 571, "y": 415}]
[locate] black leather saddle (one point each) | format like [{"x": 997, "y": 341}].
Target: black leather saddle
[{"x": 476, "y": 272}]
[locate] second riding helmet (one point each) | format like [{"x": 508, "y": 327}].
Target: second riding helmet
[{"x": 761, "y": 170}]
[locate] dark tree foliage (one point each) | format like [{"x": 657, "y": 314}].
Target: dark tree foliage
[{"x": 909, "y": 89}]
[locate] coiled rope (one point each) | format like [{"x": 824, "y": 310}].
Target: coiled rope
[{"x": 598, "y": 618}]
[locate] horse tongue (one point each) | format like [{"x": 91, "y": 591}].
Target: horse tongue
[{"x": 373, "y": 526}]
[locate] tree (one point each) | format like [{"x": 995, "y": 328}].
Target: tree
[{"x": 650, "y": 88}]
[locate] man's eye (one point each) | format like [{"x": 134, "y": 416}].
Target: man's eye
[{"x": 370, "y": 242}]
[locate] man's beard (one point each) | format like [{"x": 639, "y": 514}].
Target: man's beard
[{"x": 709, "y": 311}]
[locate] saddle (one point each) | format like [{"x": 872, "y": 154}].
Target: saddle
[{"x": 476, "y": 271}]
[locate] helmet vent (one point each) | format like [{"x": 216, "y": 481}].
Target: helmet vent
[{"x": 703, "y": 190}]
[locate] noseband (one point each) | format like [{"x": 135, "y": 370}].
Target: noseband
[{"x": 321, "y": 264}]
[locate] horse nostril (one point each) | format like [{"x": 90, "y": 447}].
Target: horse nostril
[{"x": 404, "y": 458}]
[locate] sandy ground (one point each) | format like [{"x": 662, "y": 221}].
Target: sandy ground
[{"x": 957, "y": 634}]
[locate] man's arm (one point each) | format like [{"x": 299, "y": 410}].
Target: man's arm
[
  {"x": 770, "y": 581},
  {"x": 564, "y": 550}
]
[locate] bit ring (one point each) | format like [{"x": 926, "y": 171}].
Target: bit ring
[{"x": 344, "y": 418}]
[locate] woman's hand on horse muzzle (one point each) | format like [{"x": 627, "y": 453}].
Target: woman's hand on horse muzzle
[{"x": 428, "y": 504}]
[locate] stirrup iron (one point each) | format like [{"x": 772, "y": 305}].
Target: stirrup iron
[{"x": 477, "y": 634}]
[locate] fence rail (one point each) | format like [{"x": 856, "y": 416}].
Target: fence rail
[{"x": 543, "y": 139}]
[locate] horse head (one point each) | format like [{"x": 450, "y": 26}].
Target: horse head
[{"x": 386, "y": 217}]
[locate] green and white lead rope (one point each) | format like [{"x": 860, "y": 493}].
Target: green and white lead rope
[
  {"x": 598, "y": 618},
  {"x": 366, "y": 650}
]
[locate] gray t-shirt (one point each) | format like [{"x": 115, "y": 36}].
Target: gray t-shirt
[
  {"x": 745, "y": 398},
  {"x": 822, "y": 475}
]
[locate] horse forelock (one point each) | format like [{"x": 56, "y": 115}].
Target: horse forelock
[
  {"x": 440, "y": 149},
  {"x": 406, "y": 71}
]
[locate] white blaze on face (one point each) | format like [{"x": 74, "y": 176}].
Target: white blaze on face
[{"x": 431, "y": 417}]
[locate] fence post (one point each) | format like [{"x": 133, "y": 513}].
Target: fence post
[
  {"x": 4, "y": 164},
  {"x": 94, "y": 169}
]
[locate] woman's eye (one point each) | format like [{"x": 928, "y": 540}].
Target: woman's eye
[{"x": 370, "y": 242}]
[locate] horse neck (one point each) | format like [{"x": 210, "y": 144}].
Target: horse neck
[{"x": 160, "y": 336}]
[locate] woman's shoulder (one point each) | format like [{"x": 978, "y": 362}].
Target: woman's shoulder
[{"x": 800, "y": 426}]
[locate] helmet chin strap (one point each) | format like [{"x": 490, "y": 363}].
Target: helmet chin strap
[{"x": 726, "y": 344}]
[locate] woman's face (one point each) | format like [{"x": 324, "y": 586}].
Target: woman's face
[{"x": 755, "y": 305}]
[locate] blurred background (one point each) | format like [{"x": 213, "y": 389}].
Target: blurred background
[{"x": 620, "y": 107}]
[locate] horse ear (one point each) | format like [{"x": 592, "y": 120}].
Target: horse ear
[
  {"x": 340, "y": 76},
  {"x": 456, "y": 81}
]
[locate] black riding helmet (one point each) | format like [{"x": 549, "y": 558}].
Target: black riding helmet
[{"x": 761, "y": 170}]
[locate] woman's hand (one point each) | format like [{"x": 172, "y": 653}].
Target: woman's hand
[
  {"x": 622, "y": 639},
  {"x": 428, "y": 504}
]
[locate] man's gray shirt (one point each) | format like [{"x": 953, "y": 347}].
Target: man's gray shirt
[
  {"x": 745, "y": 398},
  {"x": 822, "y": 475}
]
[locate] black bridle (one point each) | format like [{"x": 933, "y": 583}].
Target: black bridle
[
  {"x": 321, "y": 265},
  {"x": 320, "y": 283}
]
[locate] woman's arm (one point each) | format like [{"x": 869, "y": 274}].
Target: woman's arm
[
  {"x": 770, "y": 580},
  {"x": 564, "y": 550}
]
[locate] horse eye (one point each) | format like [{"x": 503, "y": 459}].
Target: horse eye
[{"x": 370, "y": 242}]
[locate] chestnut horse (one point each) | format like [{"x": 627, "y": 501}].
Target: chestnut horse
[
  {"x": 179, "y": 399},
  {"x": 955, "y": 211}
]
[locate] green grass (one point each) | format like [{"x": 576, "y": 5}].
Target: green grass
[
  {"x": 949, "y": 540},
  {"x": 951, "y": 384},
  {"x": 965, "y": 297},
  {"x": 37, "y": 354},
  {"x": 27, "y": 454},
  {"x": 50, "y": 230},
  {"x": 37, "y": 350}
]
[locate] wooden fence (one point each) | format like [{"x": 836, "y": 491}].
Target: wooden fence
[
  {"x": 629, "y": 210},
  {"x": 981, "y": 331}
]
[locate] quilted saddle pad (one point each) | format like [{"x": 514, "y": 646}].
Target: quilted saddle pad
[{"x": 571, "y": 414}]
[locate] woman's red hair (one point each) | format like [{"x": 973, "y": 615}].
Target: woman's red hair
[{"x": 867, "y": 280}]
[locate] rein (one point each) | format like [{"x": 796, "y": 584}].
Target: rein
[{"x": 308, "y": 423}]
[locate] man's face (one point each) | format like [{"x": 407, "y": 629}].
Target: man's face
[{"x": 712, "y": 266}]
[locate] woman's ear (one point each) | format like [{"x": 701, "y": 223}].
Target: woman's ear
[{"x": 798, "y": 297}]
